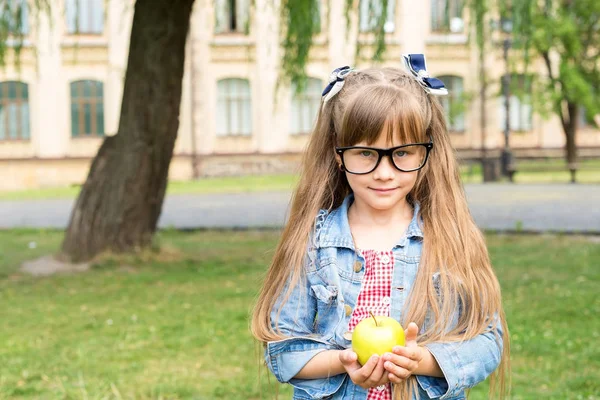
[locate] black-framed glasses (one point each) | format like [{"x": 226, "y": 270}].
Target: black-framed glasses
[{"x": 360, "y": 160}]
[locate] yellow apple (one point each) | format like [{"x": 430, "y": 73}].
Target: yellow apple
[{"x": 376, "y": 335}]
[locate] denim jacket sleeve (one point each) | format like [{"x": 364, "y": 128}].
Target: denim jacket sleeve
[
  {"x": 285, "y": 358},
  {"x": 464, "y": 364}
]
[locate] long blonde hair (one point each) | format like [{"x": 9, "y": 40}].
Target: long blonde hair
[{"x": 453, "y": 247}]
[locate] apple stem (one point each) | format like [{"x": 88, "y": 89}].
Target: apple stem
[{"x": 373, "y": 316}]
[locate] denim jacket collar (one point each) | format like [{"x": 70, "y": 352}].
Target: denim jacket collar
[{"x": 335, "y": 229}]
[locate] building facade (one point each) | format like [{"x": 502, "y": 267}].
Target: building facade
[{"x": 237, "y": 115}]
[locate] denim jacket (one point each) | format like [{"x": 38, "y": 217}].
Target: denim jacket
[{"x": 316, "y": 316}]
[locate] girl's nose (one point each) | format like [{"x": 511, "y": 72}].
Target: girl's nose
[{"x": 385, "y": 169}]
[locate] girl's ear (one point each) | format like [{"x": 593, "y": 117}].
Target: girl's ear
[{"x": 338, "y": 160}]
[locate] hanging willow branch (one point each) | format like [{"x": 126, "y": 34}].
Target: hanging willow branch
[
  {"x": 377, "y": 17},
  {"x": 300, "y": 22},
  {"x": 15, "y": 24},
  {"x": 381, "y": 16}
]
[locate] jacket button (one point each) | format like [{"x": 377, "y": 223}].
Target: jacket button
[
  {"x": 348, "y": 310},
  {"x": 357, "y": 266},
  {"x": 348, "y": 335}
]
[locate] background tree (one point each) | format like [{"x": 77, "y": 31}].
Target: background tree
[
  {"x": 121, "y": 200},
  {"x": 564, "y": 35}
]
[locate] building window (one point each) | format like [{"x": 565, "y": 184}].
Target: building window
[
  {"x": 446, "y": 16},
  {"x": 85, "y": 16},
  {"x": 316, "y": 12},
  {"x": 87, "y": 108},
  {"x": 305, "y": 107},
  {"x": 15, "y": 17},
  {"x": 585, "y": 118},
  {"x": 370, "y": 13},
  {"x": 234, "y": 107},
  {"x": 521, "y": 109},
  {"x": 454, "y": 103},
  {"x": 231, "y": 16},
  {"x": 14, "y": 111}
]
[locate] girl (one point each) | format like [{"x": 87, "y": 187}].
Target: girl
[{"x": 379, "y": 223}]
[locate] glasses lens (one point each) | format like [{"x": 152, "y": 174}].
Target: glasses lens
[
  {"x": 409, "y": 158},
  {"x": 360, "y": 161}
]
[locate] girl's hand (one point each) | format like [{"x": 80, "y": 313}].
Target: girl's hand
[
  {"x": 404, "y": 360},
  {"x": 372, "y": 374}
]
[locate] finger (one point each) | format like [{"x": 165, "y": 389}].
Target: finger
[
  {"x": 378, "y": 373},
  {"x": 363, "y": 374},
  {"x": 411, "y": 334},
  {"x": 400, "y": 361},
  {"x": 394, "y": 379},
  {"x": 411, "y": 353},
  {"x": 349, "y": 360},
  {"x": 397, "y": 371}
]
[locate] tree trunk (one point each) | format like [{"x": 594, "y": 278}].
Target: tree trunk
[
  {"x": 120, "y": 203},
  {"x": 570, "y": 129}
]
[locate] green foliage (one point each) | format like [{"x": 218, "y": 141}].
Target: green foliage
[
  {"x": 12, "y": 26},
  {"x": 15, "y": 17},
  {"x": 377, "y": 14},
  {"x": 544, "y": 29},
  {"x": 381, "y": 15},
  {"x": 300, "y": 21},
  {"x": 570, "y": 29},
  {"x": 479, "y": 10}
]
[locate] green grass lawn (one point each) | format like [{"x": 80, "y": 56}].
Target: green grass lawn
[
  {"x": 174, "y": 325},
  {"x": 234, "y": 184}
]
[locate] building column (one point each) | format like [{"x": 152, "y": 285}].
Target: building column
[
  {"x": 342, "y": 38},
  {"x": 203, "y": 86},
  {"x": 413, "y": 30},
  {"x": 270, "y": 136},
  {"x": 52, "y": 100},
  {"x": 120, "y": 18}
]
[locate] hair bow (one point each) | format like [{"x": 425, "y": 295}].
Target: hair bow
[
  {"x": 415, "y": 63},
  {"x": 336, "y": 82}
]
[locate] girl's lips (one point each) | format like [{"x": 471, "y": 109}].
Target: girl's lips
[{"x": 384, "y": 190}]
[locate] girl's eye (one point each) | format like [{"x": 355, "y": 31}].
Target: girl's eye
[
  {"x": 366, "y": 153},
  {"x": 400, "y": 153}
]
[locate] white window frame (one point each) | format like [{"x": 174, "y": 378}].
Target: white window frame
[
  {"x": 446, "y": 16},
  {"x": 521, "y": 109},
  {"x": 369, "y": 10},
  {"x": 455, "y": 86},
  {"x": 14, "y": 113},
  {"x": 234, "y": 107},
  {"x": 8, "y": 13},
  {"x": 232, "y": 16},
  {"x": 85, "y": 17},
  {"x": 304, "y": 107}
]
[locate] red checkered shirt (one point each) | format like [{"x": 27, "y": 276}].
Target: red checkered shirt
[{"x": 374, "y": 296}]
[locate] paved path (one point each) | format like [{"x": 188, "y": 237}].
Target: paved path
[{"x": 551, "y": 207}]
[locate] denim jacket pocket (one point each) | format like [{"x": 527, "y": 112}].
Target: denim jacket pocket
[
  {"x": 328, "y": 315},
  {"x": 325, "y": 294}
]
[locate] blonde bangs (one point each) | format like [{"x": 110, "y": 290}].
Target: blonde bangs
[{"x": 383, "y": 109}]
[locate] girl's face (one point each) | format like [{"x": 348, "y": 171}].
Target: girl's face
[{"x": 384, "y": 188}]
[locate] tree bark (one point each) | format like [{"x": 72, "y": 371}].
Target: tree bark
[
  {"x": 121, "y": 201},
  {"x": 570, "y": 129}
]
